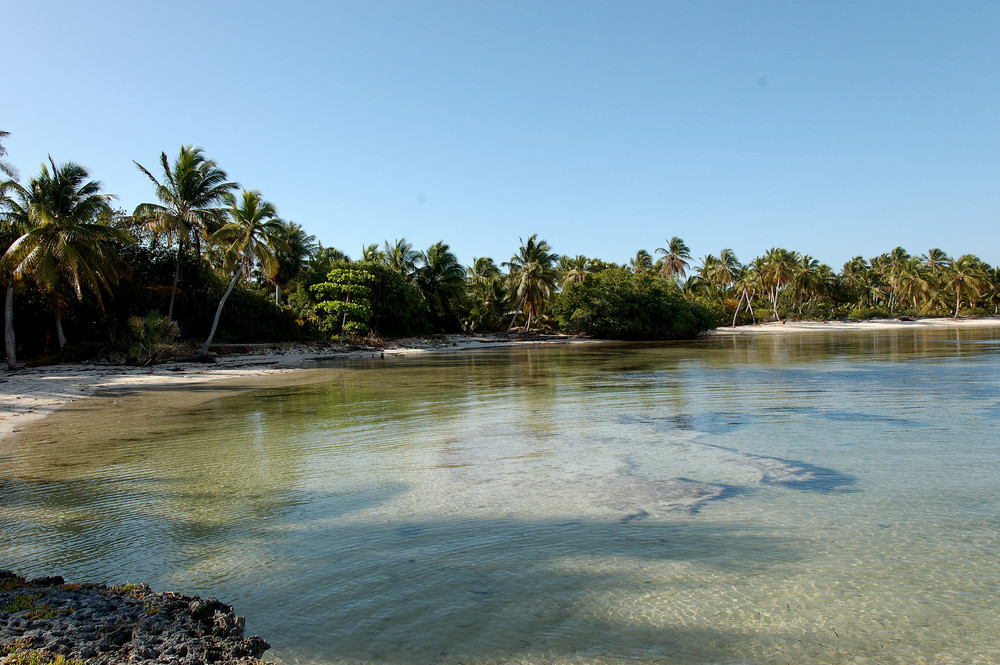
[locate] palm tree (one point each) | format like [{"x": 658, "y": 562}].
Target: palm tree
[
  {"x": 441, "y": 281},
  {"x": 189, "y": 209},
  {"x": 675, "y": 258},
  {"x": 373, "y": 254},
  {"x": 966, "y": 276},
  {"x": 746, "y": 281},
  {"x": 66, "y": 247},
  {"x": 573, "y": 270},
  {"x": 487, "y": 293},
  {"x": 532, "y": 277},
  {"x": 641, "y": 262},
  {"x": 401, "y": 257},
  {"x": 301, "y": 247},
  {"x": 777, "y": 268},
  {"x": 5, "y": 166},
  {"x": 253, "y": 235},
  {"x": 13, "y": 223}
]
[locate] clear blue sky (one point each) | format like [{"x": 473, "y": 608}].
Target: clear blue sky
[{"x": 833, "y": 128}]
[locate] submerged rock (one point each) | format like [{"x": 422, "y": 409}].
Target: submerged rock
[{"x": 102, "y": 625}]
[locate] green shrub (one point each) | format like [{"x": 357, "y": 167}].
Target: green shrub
[
  {"x": 618, "y": 304},
  {"x": 152, "y": 336}
]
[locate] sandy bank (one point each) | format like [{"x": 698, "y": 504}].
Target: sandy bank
[
  {"x": 869, "y": 325},
  {"x": 31, "y": 393}
]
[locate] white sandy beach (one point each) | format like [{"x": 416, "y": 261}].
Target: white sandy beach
[
  {"x": 872, "y": 324},
  {"x": 31, "y": 393}
]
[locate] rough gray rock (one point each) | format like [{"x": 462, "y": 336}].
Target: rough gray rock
[{"x": 102, "y": 625}]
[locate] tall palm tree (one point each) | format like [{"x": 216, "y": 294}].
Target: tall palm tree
[
  {"x": 253, "y": 235},
  {"x": 301, "y": 247},
  {"x": 676, "y": 255},
  {"x": 441, "y": 281},
  {"x": 190, "y": 203},
  {"x": 66, "y": 248},
  {"x": 532, "y": 277},
  {"x": 13, "y": 223},
  {"x": 401, "y": 257},
  {"x": 5, "y": 166}
]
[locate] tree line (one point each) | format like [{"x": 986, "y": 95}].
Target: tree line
[{"x": 208, "y": 258}]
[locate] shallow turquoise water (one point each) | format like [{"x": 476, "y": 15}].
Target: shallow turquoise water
[{"x": 816, "y": 498}]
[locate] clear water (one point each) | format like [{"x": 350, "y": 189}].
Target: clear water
[{"x": 817, "y": 498}]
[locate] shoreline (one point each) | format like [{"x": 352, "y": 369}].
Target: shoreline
[
  {"x": 864, "y": 325},
  {"x": 30, "y": 394}
]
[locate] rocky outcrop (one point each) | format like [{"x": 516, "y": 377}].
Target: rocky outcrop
[{"x": 101, "y": 625}]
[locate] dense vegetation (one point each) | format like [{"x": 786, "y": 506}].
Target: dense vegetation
[{"x": 206, "y": 261}]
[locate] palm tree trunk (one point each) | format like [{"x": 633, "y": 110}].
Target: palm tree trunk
[
  {"x": 516, "y": 314},
  {"x": 958, "y": 301},
  {"x": 8, "y": 330},
  {"x": 277, "y": 294},
  {"x": 203, "y": 351},
  {"x": 177, "y": 277},
  {"x": 59, "y": 333}
]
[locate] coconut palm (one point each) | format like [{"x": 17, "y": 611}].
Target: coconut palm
[
  {"x": 190, "y": 203},
  {"x": 441, "y": 281},
  {"x": 676, "y": 255},
  {"x": 573, "y": 270},
  {"x": 777, "y": 269},
  {"x": 532, "y": 277},
  {"x": 965, "y": 276},
  {"x": 373, "y": 254},
  {"x": 67, "y": 246},
  {"x": 401, "y": 257},
  {"x": 641, "y": 262},
  {"x": 486, "y": 294},
  {"x": 746, "y": 281},
  {"x": 301, "y": 247},
  {"x": 13, "y": 223},
  {"x": 252, "y": 236},
  {"x": 5, "y": 166}
]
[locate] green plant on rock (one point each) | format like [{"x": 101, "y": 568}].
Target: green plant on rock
[
  {"x": 152, "y": 336},
  {"x": 18, "y": 653},
  {"x": 22, "y": 602}
]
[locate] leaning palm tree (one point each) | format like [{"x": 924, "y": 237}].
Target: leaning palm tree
[
  {"x": 253, "y": 235},
  {"x": 676, "y": 255},
  {"x": 66, "y": 247},
  {"x": 190, "y": 207},
  {"x": 532, "y": 278}
]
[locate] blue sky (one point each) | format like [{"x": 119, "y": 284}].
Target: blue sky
[{"x": 833, "y": 128}]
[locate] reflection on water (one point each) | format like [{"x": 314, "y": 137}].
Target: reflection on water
[{"x": 819, "y": 498}]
